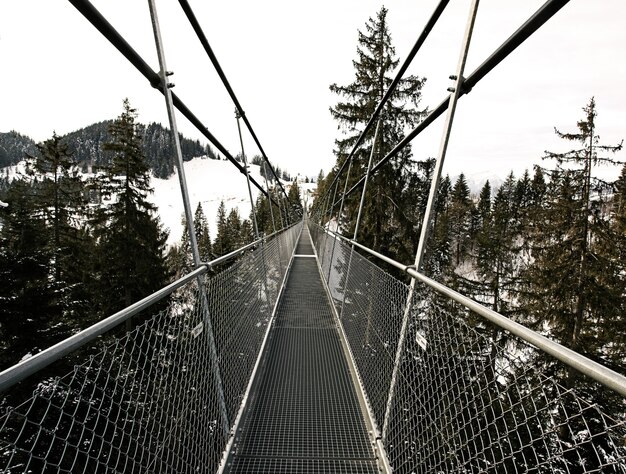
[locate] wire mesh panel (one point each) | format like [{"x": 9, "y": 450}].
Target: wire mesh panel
[
  {"x": 469, "y": 397},
  {"x": 372, "y": 317},
  {"x": 151, "y": 400}
]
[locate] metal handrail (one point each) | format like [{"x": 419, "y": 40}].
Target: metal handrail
[
  {"x": 605, "y": 376},
  {"x": 21, "y": 370}
]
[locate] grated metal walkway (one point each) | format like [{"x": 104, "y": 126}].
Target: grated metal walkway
[{"x": 303, "y": 414}]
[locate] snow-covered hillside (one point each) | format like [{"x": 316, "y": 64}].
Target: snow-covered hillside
[{"x": 209, "y": 182}]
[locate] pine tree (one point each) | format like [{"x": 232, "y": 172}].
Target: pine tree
[
  {"x": 29, "y": 309},
  {"x": 572, "y": 268},
  {"x": 203, "y": 235},
  {"x": 575, "y": 285},
  {"x": 131, "y": 238},
  {"x": 461, "y": 208},
  {"x": 294, "y": 198},
  {"x": 496, "y": 260},
  {"x": 59, "y": 194},
  {"x": 438, "y": 256},
  {"x": 222, "y": 243},
  {"x": 233, "y": 230},
  {"x": 383, "y": 218}
]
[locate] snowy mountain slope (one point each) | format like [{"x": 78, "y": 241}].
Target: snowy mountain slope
[{"x": 209, "y": 182}]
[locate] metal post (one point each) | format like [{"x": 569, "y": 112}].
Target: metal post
[
  {"x": 190, "y": 225},
  {"x": 367, "y": 176},
  {"x": 256, "y": 226},
  {"x": 245, "y": 165},
  {"x": 267, "y": 187},
  {"x": 328, "y": 211},
  {"x": 434, "y": 185}
]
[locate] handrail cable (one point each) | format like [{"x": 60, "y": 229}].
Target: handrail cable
[
  {"x": 110, "y": 33},
  {"x": 605, "y": 376},
  {"x": 220, "y": 72},
  {"x": 21, "y": 370}
]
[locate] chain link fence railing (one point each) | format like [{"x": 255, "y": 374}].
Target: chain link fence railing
[
  {"x": 468, "y": 397},
  {"x": 152, "y": 400}
]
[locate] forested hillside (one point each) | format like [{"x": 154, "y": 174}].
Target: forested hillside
[
  {"x": 85, "y": 145},
  {"x": 77, "y": 247},
  {"x": 13, "y": 148}
]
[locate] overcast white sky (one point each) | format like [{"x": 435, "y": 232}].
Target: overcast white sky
[{"x": 59, "y": 73}]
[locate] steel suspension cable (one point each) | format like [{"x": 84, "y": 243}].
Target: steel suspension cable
[
  {"x": 189, "y": 216},
  {"x": 536, "y": 21},
  {"x": 430, "y": 24},
  {"x": 245, "y": 165},
  {"x": 432, "y": 197},
  {"x": 110, "y": 33},
  {"x": 207, "y": 47}
]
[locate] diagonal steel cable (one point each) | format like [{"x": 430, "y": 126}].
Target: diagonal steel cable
[
  {"x": 195, "y": 24},
  {"x": 111, "y": 34}
]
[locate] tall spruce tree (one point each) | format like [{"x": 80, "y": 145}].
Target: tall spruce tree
[
  {"x": 29, "y": 309},
  {"x": 576, "y": 290},
  {"x": 573, "y": 280},
  {"x": 383, "y": 217},
  {"x": 461, "y": 208},
  {"x": 181, "y": 255},
  {"x": 497, "y": 249},
  {"x": 59, "y": 194},
  {"x": 222, "y": 242},
  {"x": 203, "y": 235},
  {"x": 131, "y": 238},
  {"x": 294, "y": 198}
]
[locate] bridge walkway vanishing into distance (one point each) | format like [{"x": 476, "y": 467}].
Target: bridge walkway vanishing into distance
[
  {"x": 298, "y": 353},
  {"x": 349, "y": 373},
  {"x": 304, "y": 413}
]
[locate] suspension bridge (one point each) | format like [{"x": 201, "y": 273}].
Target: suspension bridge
[{"x": 298, "y": 353}]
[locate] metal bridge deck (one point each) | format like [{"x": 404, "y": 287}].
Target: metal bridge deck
[{"x": 303, "y": 414}]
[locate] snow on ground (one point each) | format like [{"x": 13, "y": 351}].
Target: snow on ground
[{"x": 209, "y": 182}]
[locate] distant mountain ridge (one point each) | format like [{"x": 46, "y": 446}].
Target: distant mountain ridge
[
  {"x": 86, "y": 143},
  {"x": 13, "y": 147}
]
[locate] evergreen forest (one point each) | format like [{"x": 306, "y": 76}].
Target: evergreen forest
[{"x": 75, "y": 247}]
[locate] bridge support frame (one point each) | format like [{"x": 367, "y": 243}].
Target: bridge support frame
[
  {"x": 456, "y": 92},
  {"x": 208, "y": 327}
]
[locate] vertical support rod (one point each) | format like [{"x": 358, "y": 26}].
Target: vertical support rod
[
  {"x": 367, "y": 176},
  {"x": 269, "y": 193},
  {"x": 339, "y": 214},
  {"x": 360, "y": 214},
  {"x": 426, "y": 222},
  {"x": 188, "y": 213},
  {"x": 328, "y": 210},
  {"x": 245, "y": 165}
]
